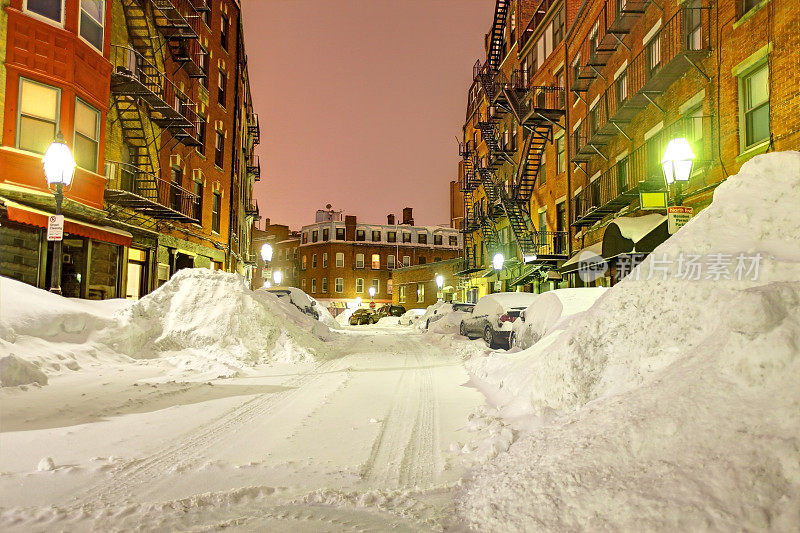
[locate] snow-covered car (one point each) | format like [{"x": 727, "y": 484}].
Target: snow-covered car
[
  {"x": 454, "y": 312},
  {"x": 388, "y": 310},
  {"x": 493, "y": 316},
  {"x": 361, "y": 317},
  {"x": 411, "y": 317},
  {"x": 551, "y": 311},
  {"x": 298, "y": 298}
]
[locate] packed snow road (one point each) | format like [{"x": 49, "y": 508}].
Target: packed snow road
[{"x": 358, "y": 442}]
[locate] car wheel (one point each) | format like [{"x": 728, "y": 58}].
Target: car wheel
[
  {"x": 462, "y": 330},
  {"x": 487, "y": 336}
]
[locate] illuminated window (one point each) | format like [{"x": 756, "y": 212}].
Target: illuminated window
[
  {"x": 388, "y": 286},
  {"x": 87, "y": 135},
  {"x": 39, "y": 109},
  {"x": 420, "y": 292},
  {"x": 339, "y": 259},
  {"x": 376, "y": 261},
  {"x": 402, "y": 295}
]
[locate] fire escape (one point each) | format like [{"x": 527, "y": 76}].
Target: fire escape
[{"x": 144, "y": 96}]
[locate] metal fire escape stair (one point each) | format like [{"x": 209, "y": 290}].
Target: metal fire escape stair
[
  {"x": 143, "y": 38},
  {"x": 496, "y": 38},
  {"x": 531, "y": 160}
]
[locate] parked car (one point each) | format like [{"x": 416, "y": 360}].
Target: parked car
[
  {"x": 298, "y": 298},
  {"x": 360, "y": 317},
  {"x": 388, "y": 310},
  {"x": 411, "y": 316},
  {"x": 493, "y": 316},
  {"x": 454, "y": 312}
]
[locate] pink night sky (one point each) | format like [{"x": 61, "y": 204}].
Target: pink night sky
[{"x": 360, "y": 103}]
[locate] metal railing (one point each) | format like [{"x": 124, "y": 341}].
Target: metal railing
[
  {"x": 552, "y": 242},
  {"x": 254, "y": 167},
  {"x": 253, "y": 128},
  {"x": 130, "y": 178}
]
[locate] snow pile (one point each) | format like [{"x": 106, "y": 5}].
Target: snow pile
[
  {"x": 325, "y": 316},
  {"x": 552, "y": 310},
  {"x": 43, "y": 334},
  {"x": 343, "y": 318},
  {"x": 671, "y": 404},
  {"x": 388, "y": 321},
  {"x": 211, "y": 322}
]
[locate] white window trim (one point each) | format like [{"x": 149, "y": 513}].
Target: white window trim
[
  {"x": 744, "y": 149},
  {"x": 37, "y": 16},
  {"x": 653, "y": 30},
  {"x": 622, "y": 155},
  {"x": 594, "y": 103},
  {"x": 595, "y": 176},
  {"x": 652, "y": 131},
  {"x": 692, "y": 102},
  {"x": 621, "y": 69},
  {"x": 97, "y": 131},
  {"x": 362, "y": 286},
  {"x": 102, "y": 26}
]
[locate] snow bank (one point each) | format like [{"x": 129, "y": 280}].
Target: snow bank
[
  {"x": 211, "y": 322},
  {"x": 550, "y": 311},
  {"x": 671, "y": 404},
  {"x": 343, "y": 318}
]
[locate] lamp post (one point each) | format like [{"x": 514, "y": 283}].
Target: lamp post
[
  {"x": 59, "y": 167},
  {"x": 358, "y": 301},
  {"x": 371, "y": 292},
  {"x": 267, "y": 284},
  {"x": 498, "y": 261},
  {"x": 677, "y": 163},
  {"x": 266, "y": 253},
  {"x": 439, "y": 285},
  {"x": 277, "y": 277}
]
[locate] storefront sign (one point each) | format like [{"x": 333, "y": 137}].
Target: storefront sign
[
  {"x": 653, "y": 200},
  {"x": 55, "y": 227},
  {"x": 677, "y": 217}
]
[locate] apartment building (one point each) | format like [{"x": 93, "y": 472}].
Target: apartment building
[
  {"x": 569, "y": 115},
  {"x": 341, "y": 258},
  {"x": 414, "y": 287},
  {"x": 165, "y": 156},
  {"x": 285, "y": 245}
]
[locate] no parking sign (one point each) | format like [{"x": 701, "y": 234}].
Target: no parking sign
[{"x": 55, "y": 227}]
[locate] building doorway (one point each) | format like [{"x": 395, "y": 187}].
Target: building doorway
[
  {"x": 183, "y": 261},
  {"x": 137, "y": 274}
]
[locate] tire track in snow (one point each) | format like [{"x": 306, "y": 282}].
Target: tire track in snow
[{"x": 182, "y": 452}]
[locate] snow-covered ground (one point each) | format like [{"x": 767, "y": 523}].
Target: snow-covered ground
[{"x": 667, "y": 404}]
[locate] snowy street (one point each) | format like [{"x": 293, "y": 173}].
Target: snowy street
[{"x": 369, "y": 430}]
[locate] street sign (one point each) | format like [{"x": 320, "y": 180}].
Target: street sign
[
  {"x": 55, "y": 228},
  {"x": 653, "y": 200},
  {"x": 677, "y": 217}
]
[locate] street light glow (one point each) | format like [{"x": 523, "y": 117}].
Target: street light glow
[
  {"x": 358, "y": 300},
  {"x": 277, "y": 277},
  {"x": 440, "y": 281},
  {"x": 59, "y": 165},
  {"x": 266, "y": 252},
  {"x": 371, "y": 292},
  {"x": 678, "y": 160},
  {"x": 497, "y": 261},
  {"x": 267, "y": 284}
]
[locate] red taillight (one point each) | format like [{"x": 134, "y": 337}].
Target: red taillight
[{"x": 507, "y": 318}]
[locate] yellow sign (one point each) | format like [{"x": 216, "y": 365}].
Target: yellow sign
[{"x": 653, "y": 200}]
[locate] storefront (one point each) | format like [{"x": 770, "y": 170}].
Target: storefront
[{"x": 92, "y": 255}]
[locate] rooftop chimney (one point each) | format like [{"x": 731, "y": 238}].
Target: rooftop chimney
[
  {"x": 390, "y": 219},
  {"x": 408, "y": 218}
]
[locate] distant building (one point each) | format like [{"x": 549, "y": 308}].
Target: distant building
[
  {"x": 285, "y": 258},
  {"x": 341, "y": 258},
  {"x": 415, "y": 286}
]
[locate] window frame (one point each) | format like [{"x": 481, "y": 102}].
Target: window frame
[
  {"x": 216, "y": 214},
  {"x": 75, "y": 133},
  {"x": 224, "y": 30},
  {"x": 324, "y": 259},
  {"x": 373, "y": 261},
  {"x": 338, "y": 285},
  {"x": 359, "y": 261},
  {"x": 219, "y": 160},
  {"x": 324, "y": 287},
  {"x": 360, "y": 281},
  {"x": 100, "y": 22},
  {"x": 420, "y": 292},
  {"x": 43, "y": 18},
  {"x": 743, "y": 90},
  {"x": 339, "y": 255},
  {"x": 56, "y": 123},
  {"x": 222, "y": 89}
]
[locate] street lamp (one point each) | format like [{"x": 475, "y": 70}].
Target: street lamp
[
  {"x": 497, "y": 261},
  {"x": 439, "y": 285},
  {"x": 59, "y": 167},
  {"x": 371, "y": 292},
  {"x": 267, "y": 284},
  {"x": 266, "y": 253},
  {"x": 677, "y": 163},
  {"x": 277, "y": 277},
  {"x": 358, "y": 301}
]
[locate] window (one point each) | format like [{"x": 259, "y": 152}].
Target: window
[
  {"x": 543, "y": 169},
  {"x": 313, "y": 260},
  {"x": 376, "y": 236},
  {"x": 453, "y": 240},
  {"x": 339, "y": 259},
  {"x": 204, "y": 61},
  {"x": 219, "y": 149},
  {"x": 305, "y": 237},
  {"x": 694, "y": 26},
  {"x": 561, "y": 159},
  {"x": 325, "y": 234},
  {"x": 303, "y": 284},
  {"x": 361, "y": 235},
  {"x": 359, "y": 260},
  {"x": 338, "y": 285},
  {"x": 654, "y": 55},
  {"x": 622, "y": 176},
  {"x": 621, "y": 86},
  {"x": 391, "y": 236},
  {"x": 49, "y": 9},
  {"x": 304, "y": 263},
  {"x": 420, "y": 292},
  {"x": 315, "y": 236},
  {"x": 406, "y": 236},
  {"x": 286, "y": 257},
  {"x": 324, "y": 285},
  {"x": 422, "y": 238},
  {"x": 198, "y": 206},
  {"x": 359, "y": 285},
  {"x": 39, "y": 109},
  {"x": 377, "y": 284},
  {"x": 388, "y": 286},
  {"x": 223, "y": 31},
  {"x": 437, "y": 240},
  {"x": 216, "y": 206},
  {"x": 543, "y": 220},
  {"x": 201, "y": 135},
  {"x": 87, "y": 135},
  {"x": 376, "y": 261},
  {"x": 339, "y": 234},
  {"x": 390, "y": 262},
  {"x": 422, "y": 260},
  {"x": 754, "y": 87},
  {"x": 406, "y": 260},
  {"x": 221, "y": 85},
  {"x": 558, "y": 28},
  {"x": 313, "y": 285},
  {"x": 92, "y": 19},
  {"x": 324, "y": 261},
  {"x": 402, "y": 295}
]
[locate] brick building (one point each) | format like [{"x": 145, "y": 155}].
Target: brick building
[
  {"x": 570, "y": 113},
  {"x": 165, "y": 156},
  {"x": 414, "y": 287},
  {"x": 285, "y": 255},
  {"x": 340, "y": 258}
]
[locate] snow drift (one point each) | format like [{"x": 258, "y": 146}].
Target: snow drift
[
  {"x": 672, "y": 403},
  {"x": 552, "y": 310}
]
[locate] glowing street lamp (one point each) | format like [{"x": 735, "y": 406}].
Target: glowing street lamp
[
  {"x": 266, "y": 253},
  {"x": 439, "y": 284},
  {"x": 277, "y": 277},
  {"x": 497, "y": 261},
  {"x": 358, "y": 301},
  {"x": 59, "y": 167},
  {"x": 678, "y": 160},
  {"x": 371, "y": 292},
  {"x": 267, "y": 284}
]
